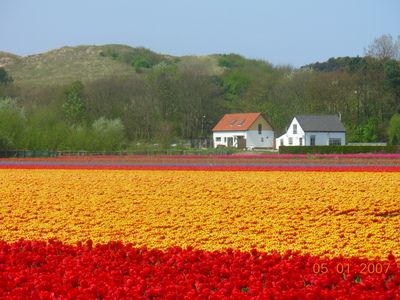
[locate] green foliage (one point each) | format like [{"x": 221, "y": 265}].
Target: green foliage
[
  {"x": 5, "y": 78},
  {"x": 335, "y": 149},
  {"x": 45, "y": 131},
  {"x": 5, "y": 142},
  {"x": 114, "y": 55},
  {"x": 392, "y": 73},
  {"x": 144, "y": 58},
  {"x": 155, "y": 149},
  {"x": 107, "y": 134},
  {"x": 394, "y": 130},
  {"x": 165, "y": 134},
  {"x": 365, "y": 132},
  {"x": 235, "y": 84},
  {"x": 140, "y": 63},
  {"x": 162, "y": 84},
  {"x": 139, "y": 58},
  {"x": 230, "y": 60},
  {"x": 81, "y": 138},
  {"x": 349, "y": 64},
  {"x": 12, "y": 123},
  {"x": 73, "y": 107},
  {"x": 75, "y": 89}
]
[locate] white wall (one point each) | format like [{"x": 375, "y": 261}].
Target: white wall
[
  {"x": 253, "y": 139},
  {"x": 224, "y": 137},
  {"x": 263, "y": 140},
  {"x": 289, "y": 134},
  {"x": 321, "y": 138}
]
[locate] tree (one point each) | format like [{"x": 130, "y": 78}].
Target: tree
[
  {"x": 5, "y": 78},
  {"x": 392, "y": 74},
  {"x": 109, "y": 134},
  {"x": 235, "y": 84},
  {"x": 229, "y": 60},
  {"x": 12, "y": 123},
  {"x": 394, "y": 129},
  {"x": 162, "y": 88},
  {"x": 199, "y": 104},
  {"x": 73, "y": 107},
  {"x": 140, "y": 63},
  {"x": 139, "y": 117},
  {"x": 5, "y": 142},
  {"x": 46, "y": 131},
  {"x": 108, "y": 96},
  {"x": 384, "y": 47}
]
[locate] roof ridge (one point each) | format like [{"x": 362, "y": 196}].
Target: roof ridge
[
  {"x": 316, "y": 115},
  {"x": 243, "y": 113},
  {"x": 324, "y": 122},
  {"x": 236, "y": 121}
]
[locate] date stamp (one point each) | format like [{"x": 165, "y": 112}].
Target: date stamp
[{"x": 362, "y": 268}]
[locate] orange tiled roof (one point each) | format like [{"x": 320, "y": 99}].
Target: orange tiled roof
[{"x": 234, "y": 122}]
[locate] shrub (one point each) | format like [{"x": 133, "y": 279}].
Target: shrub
[{"x": 335, "y": 149}]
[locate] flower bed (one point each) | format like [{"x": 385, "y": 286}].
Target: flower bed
[
  {"x": 357, "y": 214},
  {"x": 283, "y": 160},
  {"x": 172, "y": 234},
  {"x": 115, "y": 271}
]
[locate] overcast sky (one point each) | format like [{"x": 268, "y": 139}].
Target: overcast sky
[{"x": 295, "y": 32}]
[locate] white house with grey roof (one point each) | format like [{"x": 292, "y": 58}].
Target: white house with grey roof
[{"x": 313, "y": 130}]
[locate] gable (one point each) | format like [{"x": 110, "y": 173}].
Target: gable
[
  {"x": 263, "y": 122},
  {"x": 300, "y": 129}
]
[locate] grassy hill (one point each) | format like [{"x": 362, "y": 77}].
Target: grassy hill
[
  {"x": 87, "y": 63},
  {"x": 64, "y": 65},
  {"x": 7, "y": 58}
]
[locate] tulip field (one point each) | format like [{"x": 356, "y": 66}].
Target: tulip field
[{"x": 212, "y": 227}]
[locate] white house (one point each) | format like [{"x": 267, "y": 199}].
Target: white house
[
  {"x": 248, "y": 130},
  {"x": 312, "y": 130}
]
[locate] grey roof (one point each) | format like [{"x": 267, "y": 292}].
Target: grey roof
[{"x": 320, "y": 123}]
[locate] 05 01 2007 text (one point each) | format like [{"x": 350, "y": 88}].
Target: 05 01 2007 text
[{"x": 363, "y": 268}]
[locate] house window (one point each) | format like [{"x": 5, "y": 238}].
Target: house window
[
  {"x": 262, "y": 140},
  {"x": 335, "y": 142},
  {"x": 294, "y": 128},
  {"x": 312, "y": 140},
  {"x": 218, "y": 139},
  {"x": 225, "y": 139},
  {"x": 259, "y": 128},
  {"x": 281, "y": 142},
  {"x": 290, "y": 141},
  {"x": 301, "y": 141}
]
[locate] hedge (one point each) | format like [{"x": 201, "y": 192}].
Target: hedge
[
  {"x": 336, "y": 149},
  {"x": 144, "y": 151}
]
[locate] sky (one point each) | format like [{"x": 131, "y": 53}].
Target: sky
[{"x": 282, "y": 32}]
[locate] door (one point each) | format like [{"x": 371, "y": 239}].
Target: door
[
  {"x": 241, "y": 142},
  {"x": 312, "y": 140},
  {"x": 230, "y": 141}
]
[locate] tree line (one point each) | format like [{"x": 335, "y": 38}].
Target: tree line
[{"x": 167, "y": 101}]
